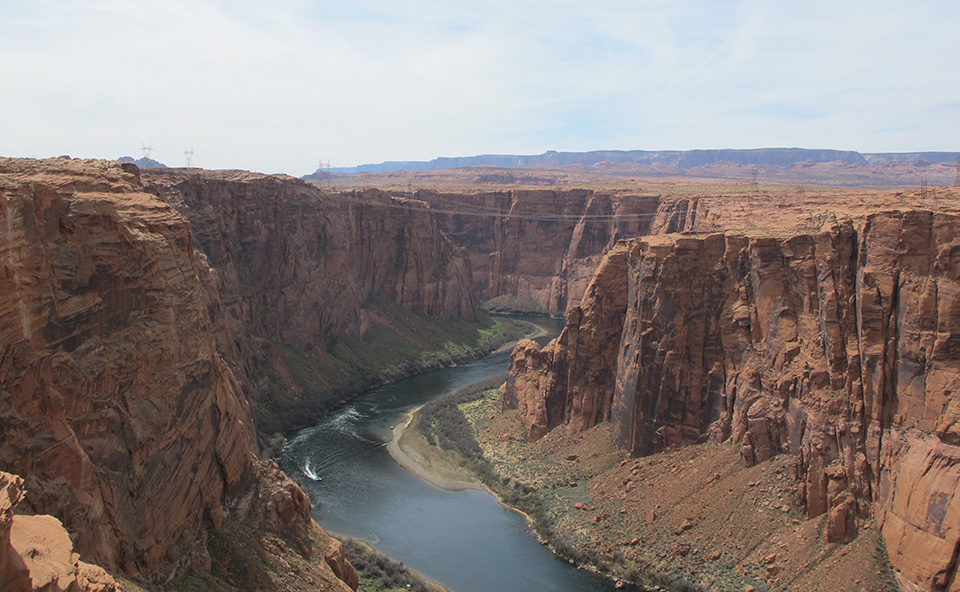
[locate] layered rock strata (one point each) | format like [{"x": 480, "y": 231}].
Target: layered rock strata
[
  {"x": 36, "y": 553},
  {"x": 300, "y": 266},
  {"x": 133, "y": 319},
  {"x": 119, "y": 410},
  {"x": 539, "y": 248},
  {"x": 837, "y": 347},
  {"x": 298, "y": 269}
]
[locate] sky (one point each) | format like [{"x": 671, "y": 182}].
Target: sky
[{"x": 279, "y": 86}]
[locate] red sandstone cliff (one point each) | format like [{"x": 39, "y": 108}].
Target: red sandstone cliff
[
  {"x": 837, "y": 347},
  {"x": 129, "y": 343},
  {"x": 538, "y": 248},
  {"x": 118, "y": 410},
  {"x": 300, "y": 268},
  {"x": 36, "y": 553},
  {"x": 300, "y": 265}
]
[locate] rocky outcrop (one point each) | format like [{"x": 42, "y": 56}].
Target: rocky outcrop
[
  {"x": 119, "y": 410},
  {"x": 837, "y": 347},
  {"x": 541, "y": 385},
  {"x": 36, "y": 553},
  {"x": 537, "y": 249}
]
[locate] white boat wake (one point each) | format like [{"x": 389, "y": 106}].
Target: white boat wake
[{"x": 309, "y": 472}]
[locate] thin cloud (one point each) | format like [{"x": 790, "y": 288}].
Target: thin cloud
[{"x": 275, "y": 87}]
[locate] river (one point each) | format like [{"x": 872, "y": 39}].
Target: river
[{"x": 464, "y": 540}]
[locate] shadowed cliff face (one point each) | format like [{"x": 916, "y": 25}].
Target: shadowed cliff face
[
  {"x": 298, "y": 269},
  {"x": 837, "y": 347},
  {"x": 540, "y": 247},
  {"x": 131, "y": 334},
  {"x": 300, "y": 266}
]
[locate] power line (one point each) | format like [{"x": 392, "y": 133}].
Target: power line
[
  {"x": 326, "y": 178},
  {"x": 508, "y": 215}
]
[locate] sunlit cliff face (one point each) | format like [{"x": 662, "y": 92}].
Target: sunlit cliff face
[{"x": 835, "y": 346}]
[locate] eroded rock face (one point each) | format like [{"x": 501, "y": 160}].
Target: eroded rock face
[
  {"x": 125, "y": 374},
  {"x": 833, "y": 347},
  {"x": 298, "y": 266},
  {"x": 541, "y": 246},
  {"x": 118, "y": 409},
  {"x": 918, "y": 507},
  {"x": 566, "y": 381}
]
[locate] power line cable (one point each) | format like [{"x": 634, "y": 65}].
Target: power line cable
[{"x": 493, "y": 213}]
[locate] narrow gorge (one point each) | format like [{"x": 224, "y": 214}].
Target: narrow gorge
[{"x": 151, "y": 324}]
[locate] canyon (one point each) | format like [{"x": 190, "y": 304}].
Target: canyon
[
  {"x": 161, "y": 329},
  {"x": 535, "y": 250},
  {"x": 137, "y": 314},
  {"x": 830, "y": 343}
]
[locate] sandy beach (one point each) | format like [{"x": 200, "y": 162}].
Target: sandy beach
[
  {"x": 427, "y": 462},
  {"x": 416, "y": 463}
]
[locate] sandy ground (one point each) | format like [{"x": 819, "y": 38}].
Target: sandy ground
[
  {"x": 425, "y": 461},
  {"x": 429, "y": 463}
]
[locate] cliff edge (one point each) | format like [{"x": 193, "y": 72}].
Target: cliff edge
[
  {"x": 134, "y": 333},
  {"x": 836, "y": 346}
]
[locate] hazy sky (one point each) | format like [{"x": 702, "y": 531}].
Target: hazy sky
[{"x": 276, "y": 86}]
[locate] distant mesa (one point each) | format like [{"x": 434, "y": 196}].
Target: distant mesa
[
  {"x": 143, "y": 163},
  {"x": 682, "y": 160}
]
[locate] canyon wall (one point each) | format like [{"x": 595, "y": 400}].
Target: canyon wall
[
  {"x": 131, "y": 333},
  {"x": 837, "y": 346},
  {"x": 299, "y": 269},
  {"x": 36, "y": 552},
  {"x": 537, "y": 249},
  {"x": 118, "y": 410},
  {"x": 300, "y": 266}
]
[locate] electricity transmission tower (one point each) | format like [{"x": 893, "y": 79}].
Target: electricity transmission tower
[
  {"x": 324, "y": 170},
  {"x": 189, "y": 156},
  {"x": 148, "y": 149}
]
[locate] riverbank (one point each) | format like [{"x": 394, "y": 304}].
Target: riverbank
[
  {"x": 378, "y": 573},
  {"x": 686, "y": 519},
  {"x": 414, "y": 453},
  {"x": 305, "y": 388},
  {"x": 452, "y": 537},
  {"x": 442, "y": 468},
  {"x": 538, "y": 332}
]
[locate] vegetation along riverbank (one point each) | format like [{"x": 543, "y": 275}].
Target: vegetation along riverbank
[{"x": 646, "y": 521}]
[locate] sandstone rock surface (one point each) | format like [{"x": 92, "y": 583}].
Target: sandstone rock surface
[
  {"x": 36, "y": 553},
  {"x": 540, "y": 247},
  {"x": 835, "y": 346},
  {"x": 119, "y": 410},
  {"x": 132, "y": 327},
  {"x": 565, "y": 382},
  {"x": 299, "y": 265},
  {"x": 298, "y": 269}
]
